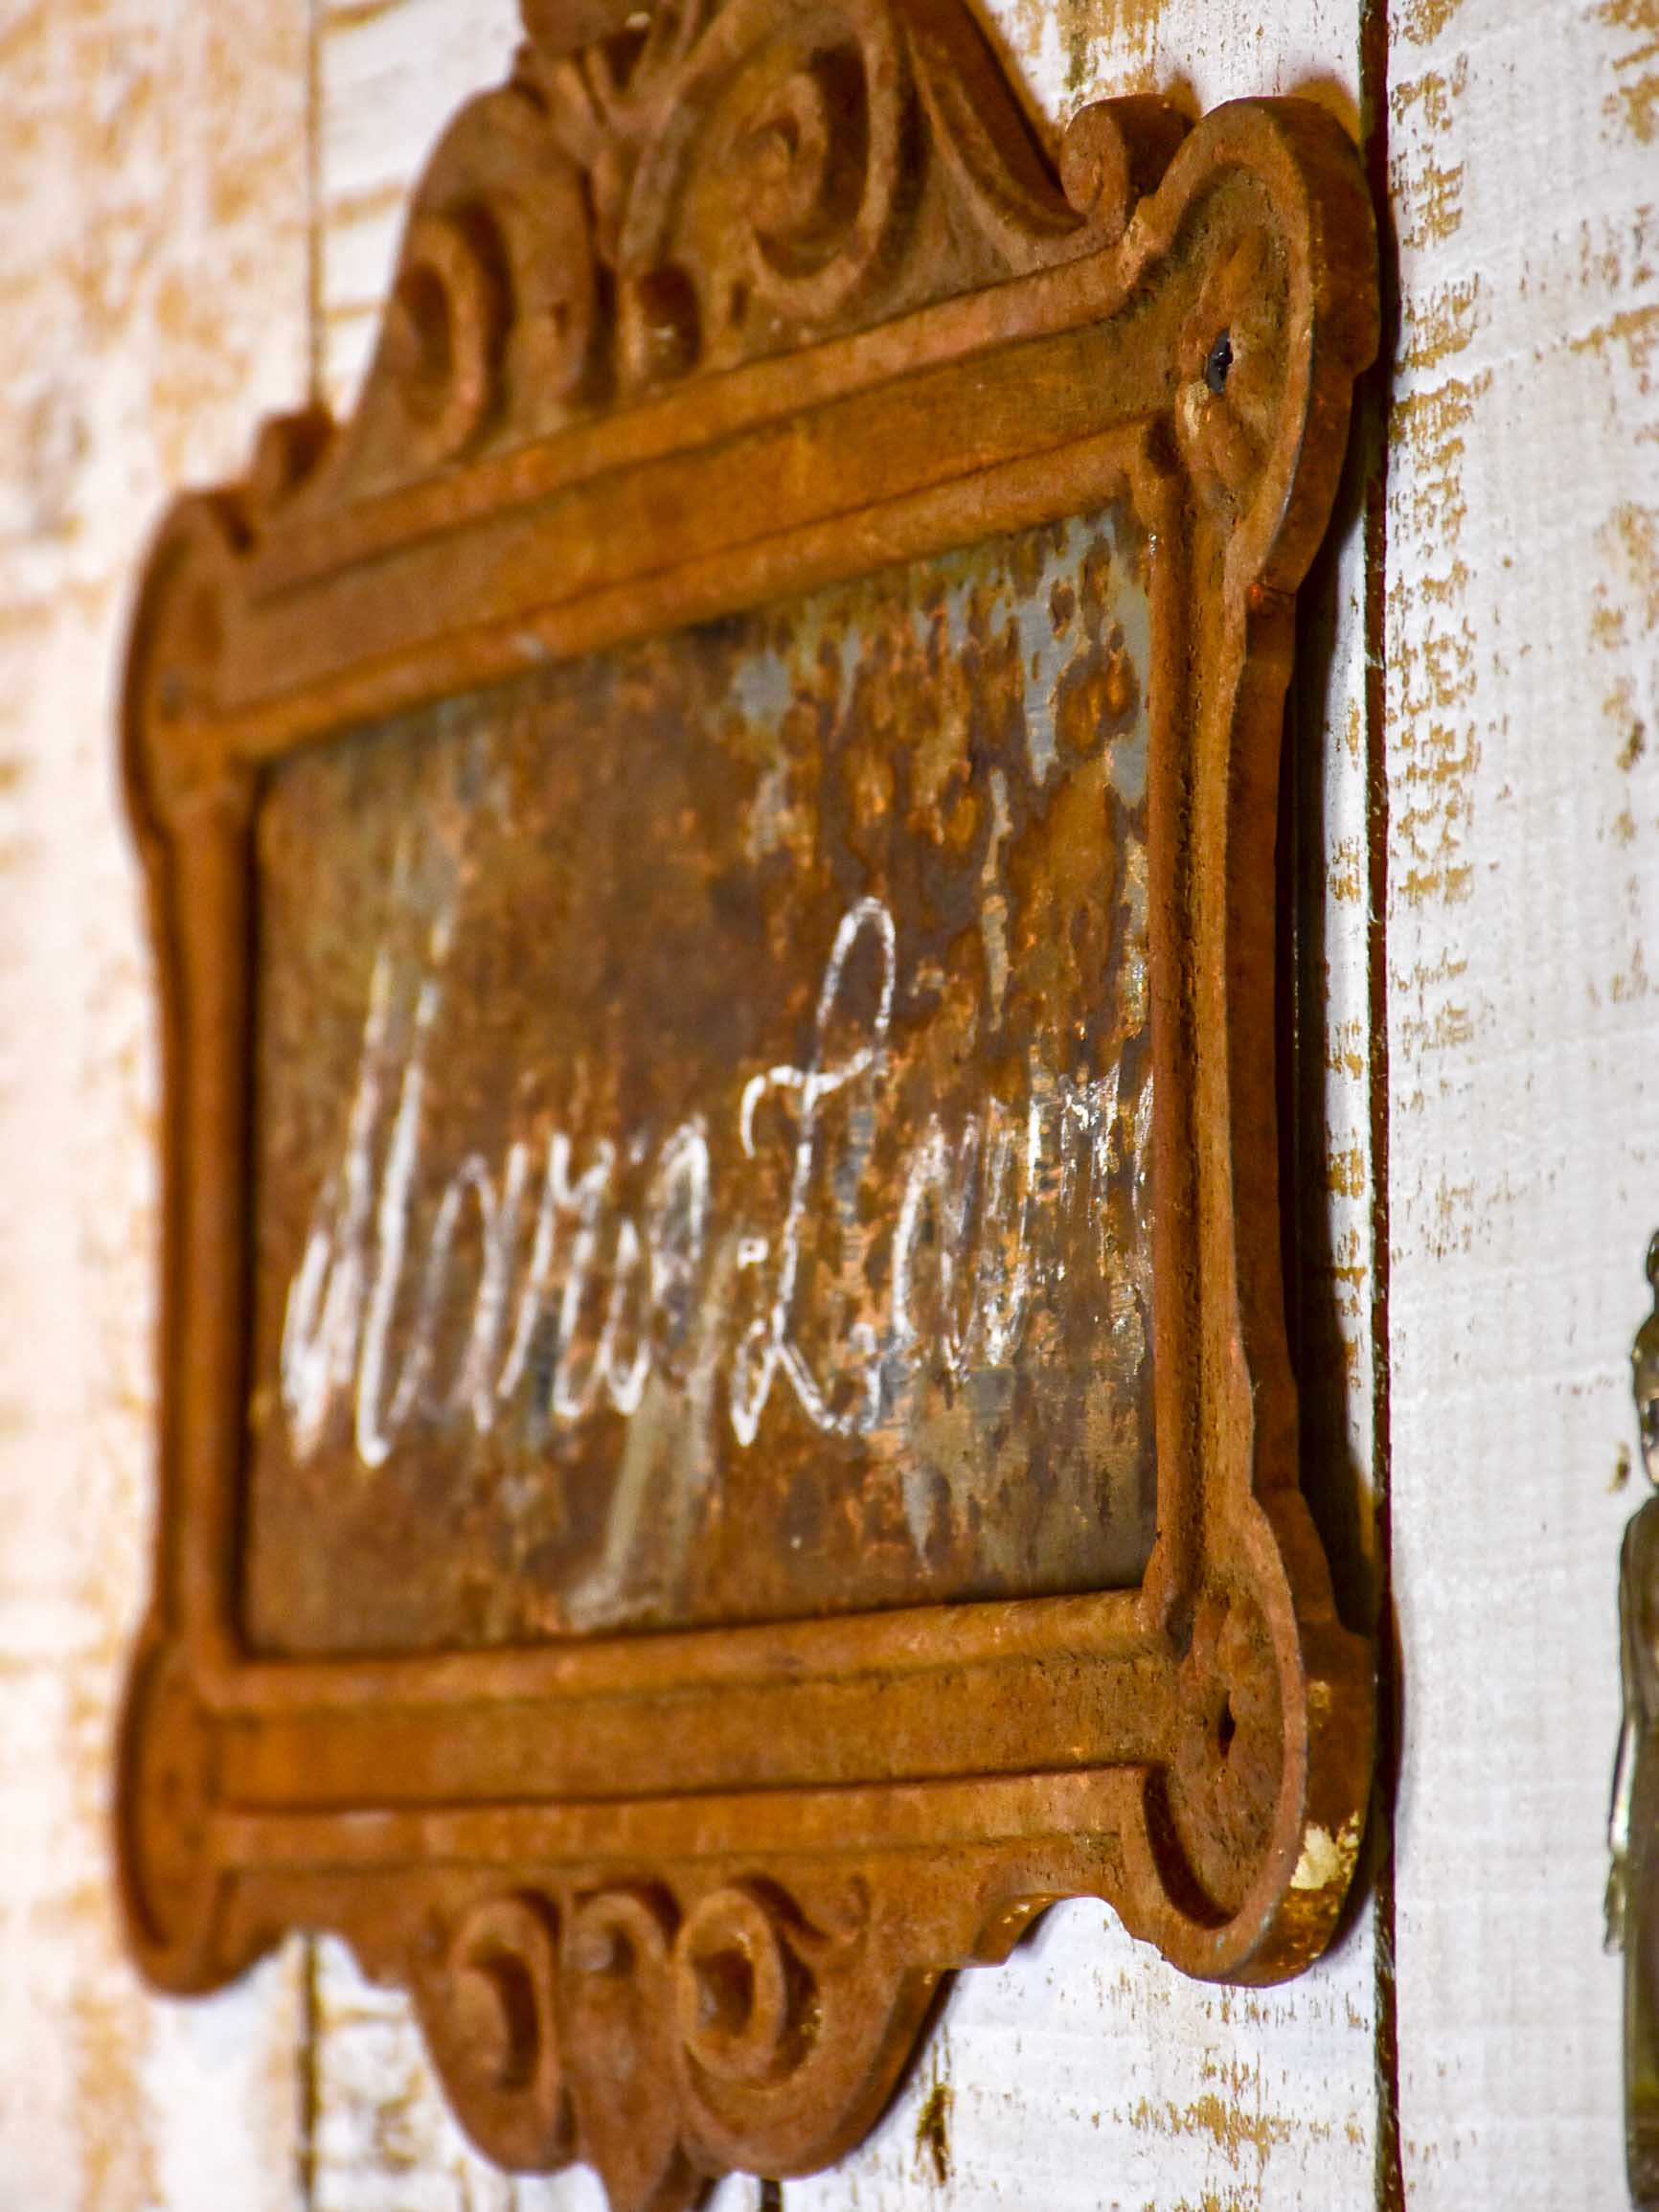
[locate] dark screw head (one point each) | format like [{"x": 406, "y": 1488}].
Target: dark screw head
[{"x": 1220, "y": 360}]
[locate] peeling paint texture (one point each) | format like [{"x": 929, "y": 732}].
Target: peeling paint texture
[
  {"x": 1522, "y": 1036},
  {"x": 202, "y": 206},
  {"x": 152, "y": 299}
]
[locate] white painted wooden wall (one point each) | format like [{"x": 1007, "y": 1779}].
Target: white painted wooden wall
[{"x": 198, "y": 201}]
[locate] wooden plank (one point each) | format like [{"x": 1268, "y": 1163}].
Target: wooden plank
[
  {"x": 390, "y": 74},
  {"x": 1085, "y": 2073},
  {"x": 152, "y": 171},
  {"x": 1523, "y": 602}
]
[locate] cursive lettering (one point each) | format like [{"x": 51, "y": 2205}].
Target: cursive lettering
[{"x": 562, "y": 1283}]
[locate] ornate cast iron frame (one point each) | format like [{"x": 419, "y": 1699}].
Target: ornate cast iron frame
[{"x": 772, "y": 293}]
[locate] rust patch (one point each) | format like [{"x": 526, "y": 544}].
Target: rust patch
[
  {"x": 1345, "y": 1173},
  {"x": 1623, "y": 618},
  {"x": 933, "y": 2131},
  {"x": 1233, "y": 2115},
  {"x": 1096, "y": 37},
  {"x": 1441, "y": 322},
  {"x": 1634, "y": 102},
  {"x": 1433, "y": 649},
  {"x": 1422, "y": 21},
  {"x": 1345, "y": 871},
  {"x": 1427, "y": 191},
  {"x": 118, "y": 2172},
  {"x": 1634, "y": 535},
  {"x": 340, "y": 16},
  {"x": 831, "y": 1147},
  {"x": 1637, "y": 330}
]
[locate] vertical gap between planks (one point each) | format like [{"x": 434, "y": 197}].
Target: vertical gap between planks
[
  {"x": 307, "y": 2085},
  {"x": 307, "y": 2056},
  {"x": 1373, "y": 426},
  {"x": 315, "y": 198}
]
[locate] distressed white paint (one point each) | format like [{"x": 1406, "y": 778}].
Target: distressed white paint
[
  {"x": 152, "y": 274},
  {"x": 1524, "y": 1039}
]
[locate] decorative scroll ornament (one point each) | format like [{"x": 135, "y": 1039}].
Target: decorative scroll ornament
[
  {"x": 664, "y": 2037},
  {"x": 691, "y": 318},
  {"x": 722, "y": 184}
]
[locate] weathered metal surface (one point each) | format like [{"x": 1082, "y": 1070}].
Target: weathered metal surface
[
  {"x": 677, "y": 1902},
  {"x": 705, "y": 1101}
]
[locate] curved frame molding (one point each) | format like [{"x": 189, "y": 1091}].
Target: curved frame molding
[{"x": 773, "y": 293}]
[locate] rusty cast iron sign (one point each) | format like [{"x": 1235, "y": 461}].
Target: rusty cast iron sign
[{"x": 727, "y": 1428}]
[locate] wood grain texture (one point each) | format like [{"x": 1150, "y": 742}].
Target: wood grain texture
[
  {"x": 1523, "y": 599},
  {"x": 152, "y": 272}
]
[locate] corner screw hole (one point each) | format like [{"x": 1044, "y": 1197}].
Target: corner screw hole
[{"x": 1220, "y": 362}]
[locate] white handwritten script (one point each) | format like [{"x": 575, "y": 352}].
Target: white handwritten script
[{"x": 563, "y": 1281}]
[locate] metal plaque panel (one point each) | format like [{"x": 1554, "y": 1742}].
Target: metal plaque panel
[{"x": 702, "y": 1159}]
